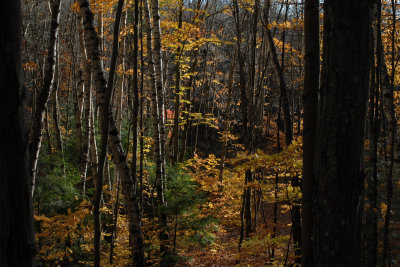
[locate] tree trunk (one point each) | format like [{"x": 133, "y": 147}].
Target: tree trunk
[
  {"x": 310, "y": 106},
  {"x": 142, "y": 128},
  {"x": 135, "y": 112},
  {"x": 388, "y": 102},
  {"x": 338, "y": 168},
  {"x": 226, "y": 122},
  {"x": 17, "y": 241},
  {"x": 371, "y": 214},
  {"x": 244, "y": 106},
  {"x": 131, "y": 199},
  {"x": 150, "y": 70},
  {"x": 93, "y": 143},
  {"x": 55, "y": 113},
  {"x": 56, "y": 120},
  {"x": 86, "y": 72},
  {"x": 121, "y": 91},
  {"x": 103, "y": 103},
  {"x": 287, "y": 120},
  {"x": 161, "y": 186},
  {"x": 283, "y": 88},
  {"x": 371, "y": 217},
  {"x": 78, "y": 106},
  {"x": 44, "y": 95},
  {"x": 175, "y": 133},
  {"x": 199, "y": 16},
  {"x": 107, "y": 121}
]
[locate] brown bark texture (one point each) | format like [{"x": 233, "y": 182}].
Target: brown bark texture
[
  {"x": 17, "y": 243},
  {"x": 338, "y": 168}
]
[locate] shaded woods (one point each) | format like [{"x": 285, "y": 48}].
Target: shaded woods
[{"x": 199, "y": 133}]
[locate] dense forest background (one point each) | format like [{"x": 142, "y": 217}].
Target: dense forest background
[{"x": 199, "y": 133}]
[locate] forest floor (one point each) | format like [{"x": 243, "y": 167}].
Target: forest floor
[{"x": 224, "y": 251}]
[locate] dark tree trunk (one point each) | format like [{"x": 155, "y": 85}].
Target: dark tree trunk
[
  {"x": 244, "y": 106},
  {"x": 287, "y": 120},
  {"x": 226, "y": 122},
  {"x": 282, "y": 84},
  {"x": 388, "y": 102},
  {"x": 338, "y": 168},
  {"x": 135, "y": 111},
  {"x": 310, "y": 102},
  {"x": 371, "y": 215},
  {"x": 17, "y": 243}
]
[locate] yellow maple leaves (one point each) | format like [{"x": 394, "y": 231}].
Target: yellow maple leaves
[
  {"x": 59, "y": 229},
  {"x": 295, "y": 24}
]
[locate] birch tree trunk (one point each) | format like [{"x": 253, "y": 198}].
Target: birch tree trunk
[
  {"x": 161, "y": 186},
  {"x": 55, "y": 113},
  {"x": 78, "y": 106},
  {"x": 92, "y": 143},
  {"x": 103, "y": 103},
  {"x": 86, "y": 73},
  {"x": 131, "y": 198},
  {"x": 107, "y": 121},
  {"x": 44, "y": 95},
  {"x": 56, "y": 120},
  {"x": 150, "y": 70}
]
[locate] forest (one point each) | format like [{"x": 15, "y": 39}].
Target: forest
[{"x": 199, "y": 133}]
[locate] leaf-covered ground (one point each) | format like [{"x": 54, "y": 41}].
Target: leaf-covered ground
[{"x": 224, "y": 251}]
